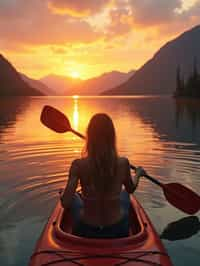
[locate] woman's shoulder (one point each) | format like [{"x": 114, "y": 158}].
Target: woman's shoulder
[
  {"x": 123, "y": 163},
  {"x": 123, "y": 160},
  {"x": 80, "y": 162},
  {"x": 82, "y": 166}
]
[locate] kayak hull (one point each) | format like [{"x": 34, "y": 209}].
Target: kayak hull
[{"x": 57, "y": 246}]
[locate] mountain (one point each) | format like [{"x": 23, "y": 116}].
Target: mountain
[
  {"x": 97, "y": 85},
  {"x": 38, "y": 85},
  {"x": 94, "y": 86},
  {"x": 158, "y": 75},
  {"x": 11, "y": 83},
  {"x": 61, "y": 85}
]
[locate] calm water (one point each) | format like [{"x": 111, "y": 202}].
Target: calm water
[{"x": 157, "y": 133}]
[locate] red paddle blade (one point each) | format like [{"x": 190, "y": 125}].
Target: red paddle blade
[
  {"x": 182, "y": 197},
  {"x": 54, "y": 119}
]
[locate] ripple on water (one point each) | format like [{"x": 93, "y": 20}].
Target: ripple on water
[
  {"x": 34, "y": 168},
  {"x": 39, "y": 171}
]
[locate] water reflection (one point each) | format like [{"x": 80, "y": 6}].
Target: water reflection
[
  {"x": 172, "y": 120},
  {"x": 182, "y": 229},
  {"x": 151, "y": 131},
  {"x": 75, "y": 114},
  {"x": 188, "y": 117},
  {"x": 10, "y": 109}
]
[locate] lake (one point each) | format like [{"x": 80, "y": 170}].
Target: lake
[{"x": 158, "y": 133}]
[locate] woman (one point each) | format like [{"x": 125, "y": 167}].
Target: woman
[{"x": 102, "y": 210}]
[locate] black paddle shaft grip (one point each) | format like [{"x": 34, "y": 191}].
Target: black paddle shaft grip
[{"x": 155, "y": 181}]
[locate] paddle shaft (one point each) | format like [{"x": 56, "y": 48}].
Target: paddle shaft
[{"x": 77, "y": 133}]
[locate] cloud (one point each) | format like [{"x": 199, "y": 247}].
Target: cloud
[
  {"x": 193, "y": 11},
  {"x": 77, "y": 8},
  {"x": 165, "y": 19},
  {"x": 33, "y": 24},
  {"x": 183, "y": 20},
  {"x": 154, "y": 12},
  {"x": 120, "y": 22}
]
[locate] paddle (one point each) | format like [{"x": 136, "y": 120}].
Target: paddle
[
  {"x": 183, "y": 228},
  {"x": 178, "y": 195}
]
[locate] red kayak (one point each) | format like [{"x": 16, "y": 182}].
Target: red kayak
[{"x": 57, "y": 245}]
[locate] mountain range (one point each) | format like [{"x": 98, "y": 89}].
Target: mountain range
[
  {"x": 158, "y": 75},
  {"x": 11, "y": 83},
  {"x": 93, "y": 86},
  {"x": 97, "y": 85},
  {"x": 37, "y": 84},
  {"x": 61, "y": 85}
]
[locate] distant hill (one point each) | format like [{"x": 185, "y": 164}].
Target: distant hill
[
  {"x": 97, "y": 85},
  {"x": 158, "y": 75},
  {"x": 94, "y": 86},
  {"x": 60, "y": 84},
  {"x": 11, "y": 83},
  {"x": 38, "y": 85}
]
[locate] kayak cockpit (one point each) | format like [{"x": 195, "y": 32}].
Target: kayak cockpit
[
  {"x": 135, "y": 226},
  {"x": 137, "y": 230}
]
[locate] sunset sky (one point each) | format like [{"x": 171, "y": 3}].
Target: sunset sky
[{"x": 84, "y": 38}]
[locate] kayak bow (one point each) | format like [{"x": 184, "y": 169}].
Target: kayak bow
[{"x": 57, "y": 245}]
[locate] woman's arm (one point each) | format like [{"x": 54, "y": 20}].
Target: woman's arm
[
  {"x": 71, "y": 186},
  {"x": 131, "y": 182},
  {"x": 128, "y": 182}
]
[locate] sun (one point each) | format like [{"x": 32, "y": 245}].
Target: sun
[{"x": 75, "y": 74}]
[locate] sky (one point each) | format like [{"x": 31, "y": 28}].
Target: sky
[{"x": 85, "y": 38}]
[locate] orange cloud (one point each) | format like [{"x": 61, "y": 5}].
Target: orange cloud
[
  {"x": 78, "y": 8},
  {"x": 121, "y": 22},
  {"x": 33, "y": 24}
]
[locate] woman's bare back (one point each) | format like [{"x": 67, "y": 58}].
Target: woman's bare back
[{"x": 103, "y": 208}]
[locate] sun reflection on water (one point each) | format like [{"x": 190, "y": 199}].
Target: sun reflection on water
[{"x": 75, "y": 114}]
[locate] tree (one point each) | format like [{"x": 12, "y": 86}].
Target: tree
[
  {"x": 179, "y": 82},
  {"x": 190, "y": 88}
]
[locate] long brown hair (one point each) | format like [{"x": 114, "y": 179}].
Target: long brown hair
[{"x": 101, "y": 151}]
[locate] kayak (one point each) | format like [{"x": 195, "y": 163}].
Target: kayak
[{"x": 58, "y": 246}]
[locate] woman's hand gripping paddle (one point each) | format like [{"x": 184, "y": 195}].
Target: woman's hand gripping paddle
[{"x": 178, "y": 195}]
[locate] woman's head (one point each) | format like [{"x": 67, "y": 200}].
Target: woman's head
[
  {"x": 101, "y": 149},
  {"x": 101, "y": 136}
]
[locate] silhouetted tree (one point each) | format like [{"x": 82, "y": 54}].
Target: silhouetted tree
[
  {"x": 192, "y": 86},
  {"x": 179, "y": 82}
]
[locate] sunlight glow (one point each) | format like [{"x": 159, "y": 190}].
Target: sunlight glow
[
  {"x": 75, "y": 96},
  {"x": 75, "y": 114},
  {"x": 75, "y": 74}
]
